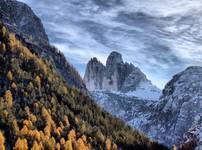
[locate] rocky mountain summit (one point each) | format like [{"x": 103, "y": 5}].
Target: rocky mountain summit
[
  {"x": 117, "y": 76},
  {"x": 20, "y": 19}
]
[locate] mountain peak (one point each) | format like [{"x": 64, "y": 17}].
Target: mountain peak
[
  {"x": 114, "y": 58},
  {"x": 93, "y": 75},
  {"x": 117, "y": 76},
  {"x": 193, "y": 73},
  {"x": 94, "y": 59}
]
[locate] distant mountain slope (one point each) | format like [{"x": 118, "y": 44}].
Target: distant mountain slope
[
  {"x": 175, "y": 118},
  {"x": 38, "y": 109},
  {"x": 178, "y": 113},
  {"x": 20, "y": 19},
  {"x": 132, "y": 110},
  {"x": 118, "y": 76}
]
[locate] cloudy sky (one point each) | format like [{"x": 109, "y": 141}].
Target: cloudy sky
[{"x": 162, "y": 37}]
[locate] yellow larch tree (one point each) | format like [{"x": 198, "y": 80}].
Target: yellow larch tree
[
  {"x": 72, "y": 135},
  {"x": 2, "y": 141},
  {"x": 108, "y": 144},
  {"x": 9, "y": 98},
  {"x": 9, "y": 76},
  {"x": 81, "y": 145},
  {"x": 36, "y": 146},
  {"x": 68, "y": 145},
  {"x": 21, "y": 144}
]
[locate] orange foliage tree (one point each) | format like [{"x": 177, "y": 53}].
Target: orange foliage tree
[
  {"x": 68, "y": 145},
  {"x": 108, "y": 144},
  {"x": 2, "y": 140},
  {"x": 21, "y": 144},
  {"x": 81, "y": 145},
  {"x": 10, "y": 76},
  {"x": 9, "y": 98},
  {"x": 36, "y": 146}
]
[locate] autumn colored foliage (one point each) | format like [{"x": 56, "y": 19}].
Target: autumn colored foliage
[{"x": 39, "y": 111}]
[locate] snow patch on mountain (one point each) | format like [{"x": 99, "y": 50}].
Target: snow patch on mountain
[
  {"x": 146, "y": 91},
  {"x": 132, "y": 110}
]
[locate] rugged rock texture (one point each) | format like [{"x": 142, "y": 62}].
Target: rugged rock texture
[
  {"x": 21, "y": 20},
  {"x": 134, "y": 79},
  {"x": 174, "y": 119},
  {"x": 179, "y": 111},
  {"x": 131, "y": 109},
  {"x": 115, "y": 76},
  {"x": 95, "y": 71}
]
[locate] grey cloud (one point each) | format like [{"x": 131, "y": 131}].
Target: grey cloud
[{"x": 161, "y": 37}]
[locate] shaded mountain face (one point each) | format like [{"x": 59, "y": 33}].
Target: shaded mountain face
[
  {"x": 115, "y": 76},
  {"x": 21, "y": 20}
]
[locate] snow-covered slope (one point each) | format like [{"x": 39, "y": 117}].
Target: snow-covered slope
[
  {"x": 146, "y": 91},
  {"x": 129, "y": 108}
]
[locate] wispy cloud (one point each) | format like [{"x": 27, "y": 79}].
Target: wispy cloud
[{"x": 160, "y": 37}]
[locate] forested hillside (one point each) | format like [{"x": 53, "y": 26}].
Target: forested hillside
[
  {"x": 39, "y": 111},
  {"x": 21, "y": 20}
]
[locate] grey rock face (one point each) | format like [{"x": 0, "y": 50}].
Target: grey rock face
[
  {"x": 114, "y": 59},
  {"x": 116, "y": 72},
  {"x": 134, "y": 79},
  {"x": 115, "y": 76},
  {"x": 21, "y": 20},
  {"x": 179, "y": 108},
  {"x": 95, "y": 70}
]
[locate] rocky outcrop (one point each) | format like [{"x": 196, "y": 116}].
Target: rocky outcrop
[
  {"x": 134, "y": 79},
  {"x": 115, "y": 76},
  {"x": 179, "y": 109},
  {"x": 21, "y": 20},
  {"x": 95, "y": 71}
]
